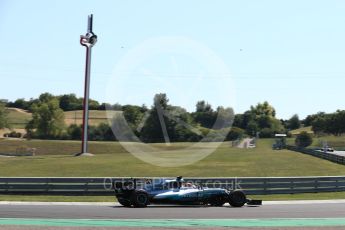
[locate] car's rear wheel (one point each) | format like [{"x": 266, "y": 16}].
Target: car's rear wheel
[
  {"x": 237, "y": 198},
  {"x": 124, "y": 202},
  {"x": 217, "y": 201},
  {"x": 140, "y": 199}
]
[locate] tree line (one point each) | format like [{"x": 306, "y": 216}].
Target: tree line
[
  {"x": 67, "y": 102},
  {"x": 327, "y": 123},
  {"x": 205, "y": 123}
]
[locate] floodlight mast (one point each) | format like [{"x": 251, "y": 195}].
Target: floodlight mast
[{"x": 88, "y": 40}]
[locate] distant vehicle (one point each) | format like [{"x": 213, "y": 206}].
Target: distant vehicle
[
  {"x": 251, "y": 145},
  {"x": 280, "y": 141},
  {"x": 328, "y": 149},
  {"x": 177, "y": 192}
]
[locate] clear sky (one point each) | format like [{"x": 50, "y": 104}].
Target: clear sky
[{"x": 290, "y": 53}]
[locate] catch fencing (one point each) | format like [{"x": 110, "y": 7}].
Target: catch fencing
[{"x": 103, "y": 186}]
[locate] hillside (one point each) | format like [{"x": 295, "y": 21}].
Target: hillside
[
  {"x": 96, "y": 117},
  {"x": 297, "y": 131},
  {"x": 18, "y": 118}
]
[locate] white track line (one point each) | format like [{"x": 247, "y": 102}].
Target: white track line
[
  {"x": 338, "y": 201},
  {"x": 57, "y": 203}
]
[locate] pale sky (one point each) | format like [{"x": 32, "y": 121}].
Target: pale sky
[{"x": 231, "y": 53}]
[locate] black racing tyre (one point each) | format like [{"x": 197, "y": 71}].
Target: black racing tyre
[
  {"x": 237, "y": 198},
  {"x": 124, "y": 202},
  {"x": 217, "y": 201},
  {"x": 140, "y": 199}
]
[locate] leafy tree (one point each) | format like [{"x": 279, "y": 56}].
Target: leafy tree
[
  {"x": 47, "y": 119},
  {"x": 22, "y": 103},
  {"x": 3, "y": 116},
  {"x": 294, "y": 122},
  {"x": 204, "y": 114},
  {"x": 319, "y": 124},
  {"x": 70, "y": 102},
  {"x": 263, "y": 114},
  {"x": 105, "y": 106},
  {"x": 133, "y": 114},
  {"x": 333, "y": 123},
  {"x": 252, "y": 128},
  {"x": 152, "y": 130},
  {"x": 238, "y": 121},
  {"x": 225, "y": 118},
  {"x": 242, "y": 120},
  {"x": 262, "y": 119},
  {"x": 175, "y": 120},
  {"x": 311, "y": 118},
  {"x": 263, "y": 110},
  {"x": 266, "y": 133},
  {"x": 46, "y": 97},
  {"x": 202, "y": 106},
  {"x": 338, "y": 123},
  {"x": 93, "y": 104},
  {"x": 19, "y": 103},
  {"x": 303, "y": 139}
]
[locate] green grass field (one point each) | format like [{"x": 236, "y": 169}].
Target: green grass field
[{"x": 55, "y": 158}]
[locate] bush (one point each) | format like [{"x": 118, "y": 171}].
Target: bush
[
  {"x": 13, "y": 134},
  {"x": 74, "y": 132},
  {"x": 235, "y": 134},
  {"x": 266, "y": 133},
  {"x": 303, "y": 139},
  {"x": 102, "y": 132}
]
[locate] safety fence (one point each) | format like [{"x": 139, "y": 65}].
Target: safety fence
[
  {"x": 320, "y": 154},
  {"x": 103, "y": 186}
]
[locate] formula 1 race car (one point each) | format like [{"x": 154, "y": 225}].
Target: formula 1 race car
[{"x": 176, "y": 191}]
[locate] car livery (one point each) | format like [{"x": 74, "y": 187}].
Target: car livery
[{"x": 176, "y": 191}]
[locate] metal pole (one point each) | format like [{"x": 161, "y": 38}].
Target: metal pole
[
  {"x": 88, "y": 40},
  {"x": 84, "y": 148}
]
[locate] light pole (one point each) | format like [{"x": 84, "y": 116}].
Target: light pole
[{"x": 88, "y": 40}]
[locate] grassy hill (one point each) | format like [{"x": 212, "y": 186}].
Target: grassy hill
[
  {"x": 18, "y": 118},
  {"x": 54, "y": 158},
  {"x": 298, "y": 131},
  {"x": 337, "y": 142},
  {"x": 95, "y": 116}
]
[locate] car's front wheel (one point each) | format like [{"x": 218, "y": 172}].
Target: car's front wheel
[{"x": 237, "y": 198}]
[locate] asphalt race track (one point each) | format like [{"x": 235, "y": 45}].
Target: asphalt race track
[
  {"x": 321, "y": 210},
  {"x": 296, "y": 215}
]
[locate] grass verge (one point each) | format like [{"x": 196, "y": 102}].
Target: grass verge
[{"x": 111, "y": 160}]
